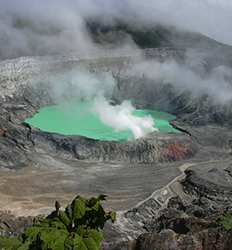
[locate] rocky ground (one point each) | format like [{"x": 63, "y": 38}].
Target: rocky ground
[{"x": 170, "y": 190}]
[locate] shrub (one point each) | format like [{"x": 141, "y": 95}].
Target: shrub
[
  {"x": 79, "y": 226},
  {"x": 226, "y": 221}
]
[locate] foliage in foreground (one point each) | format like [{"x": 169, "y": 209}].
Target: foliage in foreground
[
  {"x": 78, "y": 227},
  {"x": 226, "y": 222}
]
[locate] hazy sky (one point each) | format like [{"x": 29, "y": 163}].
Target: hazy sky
[{"x": 210, "y": 17}]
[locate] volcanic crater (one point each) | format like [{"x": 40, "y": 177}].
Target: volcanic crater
[{"x": 139, "y": 176}]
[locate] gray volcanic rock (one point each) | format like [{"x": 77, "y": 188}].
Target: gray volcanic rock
[
  {"x": 154, "y": 148},
  {"x": 213, "y": 182},
  {"x": 186, "y": 227},
  {"x": 168, "y": 240},
  {"x": 14, "y": 226},
  {"x": 191, "y": 220},
  {"x": 187, "y": 222}
]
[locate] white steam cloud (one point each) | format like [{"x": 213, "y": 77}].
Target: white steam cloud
[
  {"x": 121, "y": 118},
  {"x": 42, "y": 27},
  {"x": 216, "y": 84},
  {"x": 80, "y": 84},
  {"x": 212, "y": 18}
]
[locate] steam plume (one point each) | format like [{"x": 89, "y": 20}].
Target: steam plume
[
  {"x": 121, "y": 117},
  {"x": 84, "y": 86},
  {"x": 216, "y": 84}
]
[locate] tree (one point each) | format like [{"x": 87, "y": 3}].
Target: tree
[{"x": 79, "y": 226}]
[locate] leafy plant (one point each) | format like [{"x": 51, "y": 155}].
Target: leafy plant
[
  {"x": 9, "y": 243},
  {"x": 78, "y": 227},
  {"x": 226, "y": 221}
]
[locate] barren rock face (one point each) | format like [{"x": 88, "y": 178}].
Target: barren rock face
[{"x": 213, "y": 182}]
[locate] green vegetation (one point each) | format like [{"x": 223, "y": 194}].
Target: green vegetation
[
  {"x": 9, "y": 243},
  {"x": 226, "y": 221},
  {"x": 78, "y": 227}
]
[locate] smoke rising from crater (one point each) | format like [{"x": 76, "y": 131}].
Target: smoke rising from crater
[
  {"x": 121, "y": 117},
  {"x": 98, "y": 87}
]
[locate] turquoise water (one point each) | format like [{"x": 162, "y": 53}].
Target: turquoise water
[{"x": 76, "y": 118}]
